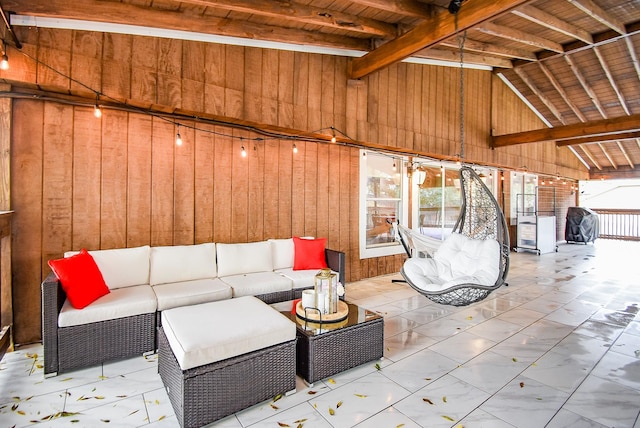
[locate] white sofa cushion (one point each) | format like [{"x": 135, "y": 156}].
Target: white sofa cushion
[
  {"x": 283, "y": 253},
  {"x": 122, "y": 267},
  {"x": 178, "y": 263},
  {"x": 249, "y": 325},
  {"x": 237, "y": 259},
  {"x": 191, "y": 292},
  {"x": 254, "y": 284},
  {"x": 120, "y": 303}
]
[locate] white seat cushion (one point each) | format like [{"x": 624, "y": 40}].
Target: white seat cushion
[
  {"x": 191, "y": 292},
  {"x": 119, "y": 303},
  {"x": 254, "y": 284},
  {"x": 244, "y": 325},
  {"x": 300, "y": 278},
  {"x": 236, "y": 259},
  {"x": 460, "y": 260},
  {"x": 178, "y": 263},
  {"x": 122, "y": 267}
]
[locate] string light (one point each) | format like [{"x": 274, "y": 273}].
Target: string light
[
  {"x": 4, "y": 63},
  {"x": 243, "y": 152},
  {"x": 96, "y": 108},
  {"x": 394, "y": 165},
  {"x": 178, "y": 137},
  {"x": 333, "y": 131},
  {"x": 295, "y": 149}
]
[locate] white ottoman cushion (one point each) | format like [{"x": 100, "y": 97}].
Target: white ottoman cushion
[
  {"x": 119, "y": 303},
  {"x": 191, "y": 293},
  {"x": 210, "y": 332}
]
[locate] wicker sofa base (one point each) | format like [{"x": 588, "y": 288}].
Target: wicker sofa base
[
  {"x": 335, "y": 351},
  {"x": 204, "y": 394}
]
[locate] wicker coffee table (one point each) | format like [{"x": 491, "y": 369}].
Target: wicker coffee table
[{"x": 326, "y": 349}]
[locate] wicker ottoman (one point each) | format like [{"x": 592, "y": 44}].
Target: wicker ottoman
[{"x": 221, "y": 357}]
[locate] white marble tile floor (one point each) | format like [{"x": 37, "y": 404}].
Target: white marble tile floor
[{"x": 558, "y": 347}]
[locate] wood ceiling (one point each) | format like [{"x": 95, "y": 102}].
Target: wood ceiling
[{"x": 575, "y": 61}]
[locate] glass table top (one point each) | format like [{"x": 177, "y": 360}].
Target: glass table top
[{"x": 357, "y": 315}]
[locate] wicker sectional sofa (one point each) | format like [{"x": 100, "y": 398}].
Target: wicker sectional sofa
[{"x": 144, "y": 281}]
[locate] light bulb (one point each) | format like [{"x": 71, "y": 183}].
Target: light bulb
[
  {"x": 394, "y": 165},
  {"x": 333, "y": 139},
  {"x": 295, "y": 149},
  {"x": 243, "y": 152},
  {"x": 97, "y": 112},
  {"x": 178, "y": 139},
  {"x": 4, "y": 64}
]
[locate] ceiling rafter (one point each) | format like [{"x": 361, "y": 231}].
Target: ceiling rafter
[
  {"x": 546, "y": 101},
  {"x": 599, "y": 14},
  {"x": 547, "y": 20},
  {"x": 591, "y": 139},
  {"x": 600, "y": 127},
  {"x": 471, "y": 45},
  {"x": 625, "y": 154},
  {"x": 429, "y": 32},
  {"x": 585, "y": 85},
  {"x": 291, "y": 11},
  {"x": 453, "y": 56},
  {"x": 401, "y": 7},
  {"x": 128, "y": 14},
  {"x": 572, "y": 106},
  {"x": 519, "y": 36},
  {"x": 612, "y": 81}
]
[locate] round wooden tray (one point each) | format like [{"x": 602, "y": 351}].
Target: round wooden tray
[{"x": 315, "y": 316}]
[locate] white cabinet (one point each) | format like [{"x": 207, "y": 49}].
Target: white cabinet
[{"x": 537, "y": 233}]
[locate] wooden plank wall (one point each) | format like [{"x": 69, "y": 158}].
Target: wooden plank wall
[{"x": 78, "y": 181}]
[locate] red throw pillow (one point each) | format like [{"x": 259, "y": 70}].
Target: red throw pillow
[
  {"x": 80, "y": 278},
  {"x": 309, "y": 253}
]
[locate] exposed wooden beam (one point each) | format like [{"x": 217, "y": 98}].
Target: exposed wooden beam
[
  {"x": 129, "y": 14},
  {"x": 453, "y": 56},
  {"x": 308, "y": 14},
  {"x": 599, "y": 14},
  {"x": 429, "y": 32},
  {"x": 401, "y": 7},
  {"x": 491, "y": 49},
  {"x": 552, "y": 22},
  {"x": 612, "y": 81},
  {"x": 519, "y": 36},
  {"x": 598, "y": 138},
  {"x": 597, "y": 127}
]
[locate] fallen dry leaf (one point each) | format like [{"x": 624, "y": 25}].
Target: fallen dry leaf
[{"x": 426, "y": 400}]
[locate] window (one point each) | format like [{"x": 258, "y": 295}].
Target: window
[
  {"x": 437, "y": 196},
  {"x": 523, "y": 195},
  {"x": 383, "y": 200}
]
